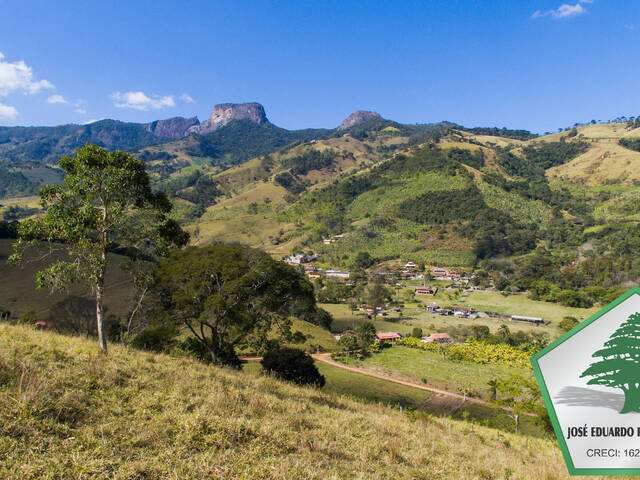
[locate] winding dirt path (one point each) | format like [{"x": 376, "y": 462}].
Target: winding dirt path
[{"x": 326, "y": 358}]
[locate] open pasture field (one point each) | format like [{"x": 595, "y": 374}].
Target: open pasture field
[
  {"x": 418, "y": 365},
  {"x": 155, "y": 416},
  {"x": 377, "y": 391}
]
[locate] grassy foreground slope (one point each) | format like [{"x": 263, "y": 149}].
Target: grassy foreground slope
[{"x": 66, "y": 411}]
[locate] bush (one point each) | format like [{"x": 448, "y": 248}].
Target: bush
[
  {"x": 568, "y": 323},
  {"x": 156, "y": 339},
  {"x": 195, "y": 348},
  {"x": 572, "y": 298},
  {"x": 292, "y": 365}
]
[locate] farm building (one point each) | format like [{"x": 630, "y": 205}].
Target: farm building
[
  {"x": 437, "y": 337},
  {"x": 433, "y": 307},
  {"x": 521, "y": 318},
  {"x": 426, "y": 290},
  {"x": 439, "y": 272},
  {"x": 300, "y": 258},
  {"x": 337, "y": 274},
  {"x": 346, "y": 332},
  {"x": 390, "y": 336},
  {"x": 462, "y": 311}
]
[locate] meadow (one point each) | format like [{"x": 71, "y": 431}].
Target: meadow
[
  {"x": 68, "y": 411},
  {"x": 428, "y": 367}
]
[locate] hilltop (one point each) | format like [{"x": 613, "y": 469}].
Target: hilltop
[
  {"x": 70, "y": 412},
  {"x": 439, "y": 194}
]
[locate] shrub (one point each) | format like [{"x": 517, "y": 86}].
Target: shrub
[
  {"x": 568, "y": 323},
  {"x": 572, "y": 298},
  {"x": 156, "y": 339},
  {"x": 292, "y": 365}
]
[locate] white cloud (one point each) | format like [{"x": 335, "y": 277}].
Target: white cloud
[
  {"x": 7, "y": 112},
  {"x": 80, "y": 106},
  {"x": 18, "y": 76},
  {"x": 185, "y": 97},
  {"x": 564, "y": 11},
  {"x": 56, "y": 99},
  {"x": 92, "y": 121},
  {"x": 141, "y": 101}
]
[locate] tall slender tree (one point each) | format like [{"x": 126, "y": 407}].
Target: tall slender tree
[
  {"x": 105, "y": 201},
  {"x": 620, "y": 364}
]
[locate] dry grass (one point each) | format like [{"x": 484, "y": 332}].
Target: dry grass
[
  {"x": 605, "y": 161},
  {"x": 69, "y": 412}
]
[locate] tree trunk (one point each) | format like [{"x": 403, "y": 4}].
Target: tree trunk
[
  {"x": 100, "y": 315},
  {"x": 631, "y": 400}
]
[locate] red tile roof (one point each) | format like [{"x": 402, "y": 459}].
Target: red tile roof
[
  {"x": 388, "y": 335},
  {"x": 438, "y": 336}
]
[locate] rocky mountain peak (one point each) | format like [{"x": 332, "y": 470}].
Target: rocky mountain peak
[
  {"x": 358, "y": 117},
  {"x": 173, "y": 128},
  {"x": 224, "y": 113}
]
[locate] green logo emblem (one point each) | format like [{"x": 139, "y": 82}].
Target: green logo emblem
[
  {"x": 590, "y": 383},
  {"x": 620, "y": 364}
]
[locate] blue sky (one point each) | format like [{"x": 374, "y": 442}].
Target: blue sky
[{"x": 534, "y": 64}]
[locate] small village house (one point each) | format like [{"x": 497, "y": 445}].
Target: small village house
[
  {"x": 389, "y": 336},
  {"x": 462, "y": 311},
  {"x": 425, "y": 290},
  {"x": 437, "y": 337}
]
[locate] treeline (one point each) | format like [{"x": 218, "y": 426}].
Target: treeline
[
  {"x": 474, "y": 159},
  {"x": 309, "y": 160},
  {"x": 632, "y": 143},
  {"x": 29, "y": 146},
  {"x": 537, "y": 158},
  {"x": 560, "y": 275},
  {"x": 195, "y": 187},
  {"x": 241, "y": 140},
  {"x": 14, "y": 184},
  {"x": 550, "y": 154},
  {"x": 502, "y": 132}
]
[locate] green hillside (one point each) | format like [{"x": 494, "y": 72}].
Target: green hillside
[{"x": 69, "y": 412}]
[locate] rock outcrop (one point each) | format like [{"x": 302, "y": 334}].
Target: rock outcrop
[
  {"x": 173, "y": 128},
  {"x": 224, "y": 113},
  {"x": 358, "y": 117}
]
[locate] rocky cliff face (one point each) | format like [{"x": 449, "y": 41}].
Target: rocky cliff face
[
  {"x": 172, "y": 127},
  {"x": 226, "y": 112},
  {"x": 358, "y": 117}
]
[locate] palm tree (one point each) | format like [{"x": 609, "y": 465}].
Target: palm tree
[{"x": 493, "y": 389}]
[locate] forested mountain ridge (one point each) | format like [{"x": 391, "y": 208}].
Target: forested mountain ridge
[
  {"x": 457, "y": 199},
  {"x": 436, "y": 194}
]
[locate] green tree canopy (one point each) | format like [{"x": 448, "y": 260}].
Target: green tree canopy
[
  {"x": 105, "y": 201},
  {"x": 620, "y": 363},
  {"x": 366, "y": 334},
  {"x": 292, "y": 365},
  {"x": 228, "y": 295}
]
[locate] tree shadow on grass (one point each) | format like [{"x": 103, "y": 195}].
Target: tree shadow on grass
[{"x": 585, "y": 397}]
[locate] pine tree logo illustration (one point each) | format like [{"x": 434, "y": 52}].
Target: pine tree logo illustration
[{"x": 620, "y": 364}]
